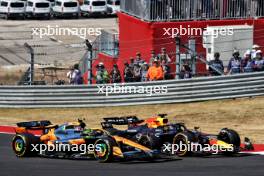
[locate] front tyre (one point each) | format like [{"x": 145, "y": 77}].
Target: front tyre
[
  {"x": 231, "y": 137},
  {"x": 104, "y": 150}
]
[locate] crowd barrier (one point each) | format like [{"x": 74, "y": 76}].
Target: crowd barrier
[{"x": 179, "y": 91}]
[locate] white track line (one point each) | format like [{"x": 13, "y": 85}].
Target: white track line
[
  {"x": 7, "y": 133},
  {"x": 255, "y": 153}
]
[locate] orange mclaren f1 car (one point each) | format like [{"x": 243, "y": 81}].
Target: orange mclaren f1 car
[{"x": 101, "y": 144}]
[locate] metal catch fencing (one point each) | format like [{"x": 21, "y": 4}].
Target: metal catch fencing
[
  {"x": 179, "y": 91},
  {"x": 107, "y": 43},
  {"x": 170, "y": 10}
]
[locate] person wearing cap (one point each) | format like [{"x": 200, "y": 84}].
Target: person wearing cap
[
  {"x": 166, "y": 70},
  {"x": 102, "y": 75},
  {"x": 144, "y": 72},
  {"x": 128, "y": 73},
  {"x": 234, "y": 65},
  {"x": 259, "y": 61},
  {"x": 138, "y": 59},
  {"x": 77, "y": 78},
  {"x": 254, "y": 50},
  {"x": 186, "y": 71},
  {"x": 132, "y": 62},
  {"x": 152, "y": 56},
  {"x": 115, "y": 75},
  {"x": 70, "y": 75},
  {"x": 155, "y": 72},
  {"x": 164, "y": 56},
  {"x": 137, "y": 73},
  {"x": 216, "y": 63},
  {"x": 247, "y": 62}
]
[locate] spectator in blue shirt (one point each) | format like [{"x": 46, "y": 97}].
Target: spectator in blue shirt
[
  {"x": 234, "y": 66},
  {"x": 247, "y": 63}
]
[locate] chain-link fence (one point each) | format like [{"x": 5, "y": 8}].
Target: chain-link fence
[
  {"x": 169, "y": 10},
  {"x": 107, "y": 43},
  {"x": 52, "y": 58}
]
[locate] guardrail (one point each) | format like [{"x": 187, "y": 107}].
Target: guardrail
[{"x": 179, "y": 91}]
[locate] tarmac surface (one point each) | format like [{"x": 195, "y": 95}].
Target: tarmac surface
[{"x": 10, "y": 165}]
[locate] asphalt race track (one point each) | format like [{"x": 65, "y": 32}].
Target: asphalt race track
[{"x": 240, "y": 165}]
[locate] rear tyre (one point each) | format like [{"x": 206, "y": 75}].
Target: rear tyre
[
  {"x": 104, "y": 150},
  {"x": 231, "y": 137},
  {"x": 183, "y": 139},
  {"x": 22, "y": 144}
]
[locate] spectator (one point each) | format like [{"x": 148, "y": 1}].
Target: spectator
[
  {"x": 247, "y": 63},
  {"x": 144, "y": 72},
  {"x": 139, "y": 61},
  {"x": 234, "y": 66},
  {"x": 259, "y": 61},
  {"x": 164, "y": 56},
  {"x": 115, "y": 75},
  {"x": 166, "y": 70},
  {"x": 255, "y": 48},
  {"x": 186, "y": 71},
  {"x": 216, "y": 63},
  {"x": 70, "y": 74},
  {"x": 102, "y": 76},
  {"x": 155, "y": 72},
  {"x": 131, "y": 65},
  {"x": 77, "y": 75},
  {"x": 137, "y": 73},
  {"x": 153, "y": 57},
  {"x": 128, "y": 73}
]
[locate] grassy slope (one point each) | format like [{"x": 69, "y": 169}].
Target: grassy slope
[{"x": 243, "y": 115}]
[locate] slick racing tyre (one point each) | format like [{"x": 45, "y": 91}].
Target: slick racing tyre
[
  {"x": 231, "y": 137},
  {"x": 22, "y": 144},
  {"x": 182, "y": 139},
  {"x": 104, "y": 150}
]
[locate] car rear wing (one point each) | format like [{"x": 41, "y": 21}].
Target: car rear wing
[
  {"x": 34, "y": 124},
  {"x": 122, "y": 120}
]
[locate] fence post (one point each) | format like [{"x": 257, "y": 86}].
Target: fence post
[
  {"x": 32, "y": 62},
  {"x": 192, "y": 51},
  {"x": 89, "y": 60},
  {"x": 178, "y": 43}
]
